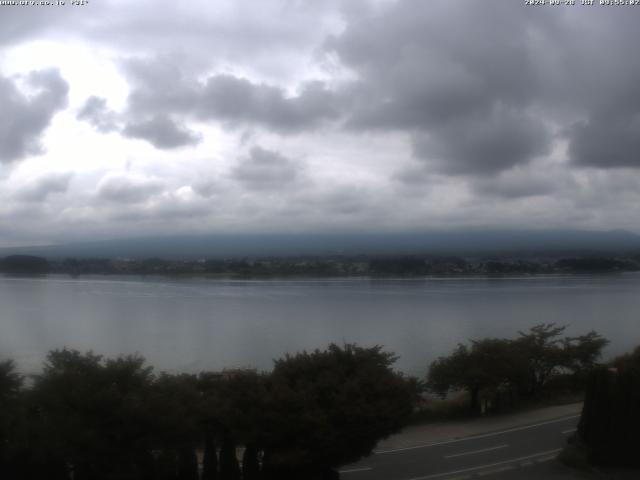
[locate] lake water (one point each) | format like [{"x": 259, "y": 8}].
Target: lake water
[{"x": 195, "y": 324}]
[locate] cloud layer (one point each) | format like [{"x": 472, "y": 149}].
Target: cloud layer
[{"x": 284, "y": 115}]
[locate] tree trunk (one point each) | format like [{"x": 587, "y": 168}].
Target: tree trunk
[
  {"x": 145, "y": 465},
  {"x": 250, "y": 465},
  {"x": 229, "y": 468},
  {"x": 210, "y": 459},
  {"x": 475, "y": 400},
  {"x": 187, "y": 464},
  {"x": 167, "y": 465}
]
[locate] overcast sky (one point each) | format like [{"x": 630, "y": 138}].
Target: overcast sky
[{"x": 121, "y": 118}]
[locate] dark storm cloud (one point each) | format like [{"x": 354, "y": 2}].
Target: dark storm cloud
[
  {"x": 537, "y": 180},
  {"x": 607, "y": 141},
  {"x": 161, "y": 87},
  {"x": 39, "y": 189},
  {"x": 160, "y": 83},
  {"x": 605, "y": 91},
  {"x": 458, "y": 76},
  {"x": 483, "y": 145},
  {"x": 239, "y": 101},
  {"x": 265, "y": 170},
  {"x": 159, "y": 130},
  {"x": 98, "y": 115},
  {"x": 476, "y": 86},
  {"x": 162, "y": 132},
  {"x": 25, "y": 116},
  {"x": 431, "y": 61}
]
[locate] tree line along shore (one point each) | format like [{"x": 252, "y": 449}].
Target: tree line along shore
[
  {"x": 329, "y": 266},
  {"x": 85, "y": 416}
]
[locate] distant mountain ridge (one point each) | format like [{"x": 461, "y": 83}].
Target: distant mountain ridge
[{"x": 521, "y": 242}]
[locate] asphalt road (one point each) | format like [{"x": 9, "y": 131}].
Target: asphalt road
[{"x": 501, "y": 454}]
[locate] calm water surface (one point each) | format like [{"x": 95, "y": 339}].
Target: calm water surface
[{"x": 195, "y": 324}]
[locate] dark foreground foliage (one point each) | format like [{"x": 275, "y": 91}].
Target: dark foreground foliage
[
  {"x": 610, "y": 419},
  {"x": 94, "y": 418},
  {"x": 498, "y": 372}
]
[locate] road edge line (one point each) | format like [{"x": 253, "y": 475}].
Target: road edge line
[{"x": 475, "y": 437}]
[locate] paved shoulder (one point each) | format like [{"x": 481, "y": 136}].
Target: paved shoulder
[
  {"x": 443, "y": 431},
  {"x": 463, "y": 450}
]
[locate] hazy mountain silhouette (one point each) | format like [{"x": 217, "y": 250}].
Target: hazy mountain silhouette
[{"x": 458, "y": 242}]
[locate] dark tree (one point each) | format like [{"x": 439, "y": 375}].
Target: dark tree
[
  {"x": 175, "y": 405},
  {"x": 492, "y": 367},
  {"x": 583, "y": 352},
  {"x": 543, "y": 348},
  {"x": 92, "y": 414},
  {"x": 10, "y": 381},
  {"x": 610, "y": 418},
  {"x": 330, "y": 408},
  {"x": 398, "y": 266},
  {"x": 234, "y": 403},
  {"x": 10, "y": 388},
  {"x": 593, "y": 264},
  {"x": 501, "y": 370}
]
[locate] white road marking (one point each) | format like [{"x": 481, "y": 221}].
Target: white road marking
[
  {"x": 544, "y": 459},
  {"x": 490, "y": 465},
  {"x": 476, "y": 451},
  {"x": 354, "y": 470},
  {"x": 475, "y": 437},
  {"x": 571, "y": 430}
]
